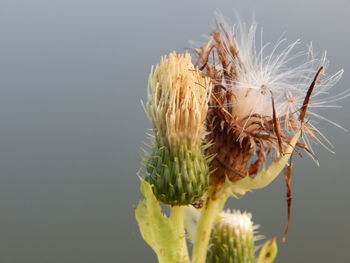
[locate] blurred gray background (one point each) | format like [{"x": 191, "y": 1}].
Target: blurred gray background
[{"x": 72, "y": 74}]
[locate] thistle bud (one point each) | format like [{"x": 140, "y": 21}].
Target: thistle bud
[
  {"x": 232, "y": 239},
  {"x": 177, "y": 106}
]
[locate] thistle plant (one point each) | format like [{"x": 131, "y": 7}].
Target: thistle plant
[
  {"x": 177, "y": 106},
  {"x": 232, "y": 238},
  {"x": 224, "y": 126}
]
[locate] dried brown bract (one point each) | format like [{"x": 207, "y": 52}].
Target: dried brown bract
[{"x": 258, "y": 102}]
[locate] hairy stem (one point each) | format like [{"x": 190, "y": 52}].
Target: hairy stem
[
  {"x": 214, "y": 204},
  {"x": 177, "y": 216}
]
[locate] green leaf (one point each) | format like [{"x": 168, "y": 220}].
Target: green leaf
[
  {"x": 158, "y": 230},
  {"x": 268, "y": 252},
  {"x": 265, "y": 177}
]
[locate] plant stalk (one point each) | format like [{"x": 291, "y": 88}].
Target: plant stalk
[
  {"x": 214, "y": 204},
  {"x": 177, "y": 216}
]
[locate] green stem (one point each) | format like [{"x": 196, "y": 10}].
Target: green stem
[
  {"x": 215, "y": 203},
  {"x": 177, "y": 216}
]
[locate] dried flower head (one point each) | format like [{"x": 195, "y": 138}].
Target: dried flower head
[
  {"x": 177, "y": 105},
  {"x": 178, "y": 97},
  {"x": 259, "y": 101}
]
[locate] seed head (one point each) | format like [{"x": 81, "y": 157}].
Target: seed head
[{"x": 260, "y": 100}]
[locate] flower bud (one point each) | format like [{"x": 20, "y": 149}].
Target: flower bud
[
  {"x": 232, "y": 239},
  {"x": 177, "y": 106}
]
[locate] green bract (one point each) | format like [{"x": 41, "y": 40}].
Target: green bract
[
  {"x": 179, "y": 175},
  {"x": 231, "y": 243}
]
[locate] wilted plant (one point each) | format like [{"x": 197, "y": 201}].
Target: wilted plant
[{"x": 224, "y": 126}]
